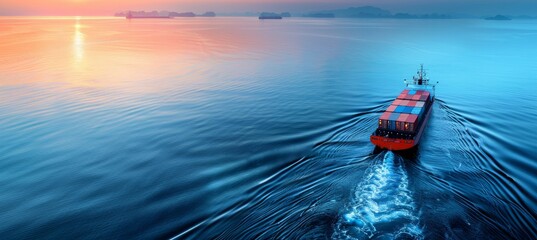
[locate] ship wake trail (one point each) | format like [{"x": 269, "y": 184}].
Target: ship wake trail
[{"x": 382, "y": 205}]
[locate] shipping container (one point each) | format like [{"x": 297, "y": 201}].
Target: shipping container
[
  {"x": 402, "y": 96},
  {"x": 399, "y": 109},
  {"x": 391, "y": 108},
  {"x": 417, "y": 110},
  {"x": 394, "y": 116},
  {"x": 419, "y": 104},
  {"x": 416, "y": 97},
  {"x": 385, "y": 116},
  {"x": 397, "y": 102},
  {"x": 412, "y": 92},
  {"x": 383, "y": 120},
  {"x": 405, "y": 91},
  {"x": 408, "y": 110},
  {"x": 402, "y": 117},
  {"x": 391, "y": 122},
  {"x": 424, "y": 98},
  {"x": 411, "y": 103},
  {"x": 426, "y": 93},
  {"x": 408, "y": 97},
  {"x": 403, "y": 103},
  {"x": 411, "y": 123},
  {"x": 400, "y": 124}
]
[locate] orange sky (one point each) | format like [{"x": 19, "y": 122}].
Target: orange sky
[
  {"x": 73, "y": 7},
  {"x": 108, "y": 7}
]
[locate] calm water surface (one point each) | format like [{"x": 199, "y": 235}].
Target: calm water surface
[{"x": 234, "y": 128}]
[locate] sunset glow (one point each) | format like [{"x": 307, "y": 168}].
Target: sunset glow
[
  {"x": 268, "y": 119},
  {"x": 72, "y": 7},
  {"x": 106, "y": 8}
]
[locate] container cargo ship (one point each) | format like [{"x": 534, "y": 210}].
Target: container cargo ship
[{"x": 401, "y": 126}]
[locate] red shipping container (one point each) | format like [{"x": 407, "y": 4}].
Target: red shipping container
[
  {"x": 397, "y": 102},
  {"x": 411, "y": 122},
  {"x": 409, "y": 97},
  {"x": 391, "y": 108},
  {"x": 423, "y": 97},
  {"x": 402, "y": 96},
  {"x": 419, "y": 92},
  {"x": 405, "y": 91},
  {"x": 383, "y": 120},
  {"x": 416, "y": 97},
  {"x": 403, "y": 117},
  {"x": 400, "y": 124},
  {"x": 385, "y": 115},
  {"x": 404, "y": 103},
  {"x": 426, "y": 93},
  {"x": 411, "y": 103}
]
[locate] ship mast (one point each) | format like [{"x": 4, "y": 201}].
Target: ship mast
[{"x": 421, "y": 80}]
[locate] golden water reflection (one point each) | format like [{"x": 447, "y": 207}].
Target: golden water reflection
[
  {"x": 78, "y": 42},
  {"x": 114, "y": 51}
]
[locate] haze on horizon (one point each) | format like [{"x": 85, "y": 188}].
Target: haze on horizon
[{"x": 107, "y": 7}]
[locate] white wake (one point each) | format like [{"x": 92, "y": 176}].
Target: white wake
[{"x": 382, "y": 206}]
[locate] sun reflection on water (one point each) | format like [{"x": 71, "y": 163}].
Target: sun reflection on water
[
  {"x": 78, "y": 42},
  {"x": 106, "y": 52}
]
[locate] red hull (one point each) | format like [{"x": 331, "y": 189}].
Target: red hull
[
  {"x": 398, "y": 144},
  {"x": 393, "y": 144}
]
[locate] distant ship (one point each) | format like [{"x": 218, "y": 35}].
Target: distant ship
[
  {"x": 402, "y": 125},
  {"x": 130, "y": 15}
]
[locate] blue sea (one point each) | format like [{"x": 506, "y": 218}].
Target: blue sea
[{"x": 236, "y": 128}]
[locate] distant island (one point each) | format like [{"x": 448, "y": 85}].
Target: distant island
[
  {"x": 271, "y": 15},
  {"x": 161, "y": 14},
  {"x": 371, "y": 12},
  {"x": 351, "y": 12},
  {"x": 207, "y": 14},
  {"x": 498, "y": 17}
]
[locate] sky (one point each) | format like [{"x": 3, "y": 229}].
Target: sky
[{"x": 108, "y": 7}]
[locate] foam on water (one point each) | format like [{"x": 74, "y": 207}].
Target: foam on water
[{"x": 382, "y": 205}]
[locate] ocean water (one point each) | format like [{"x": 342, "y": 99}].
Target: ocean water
[{"x": 235, "y": 128}]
